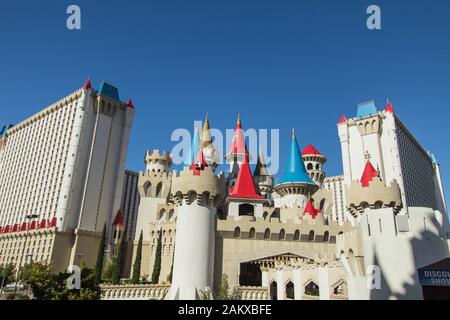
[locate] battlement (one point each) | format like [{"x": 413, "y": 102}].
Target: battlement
[
  {"x": 275, "y": 229},
  {"x": 376, "y": 195},
  {"x": 154, "y": 184},
  {"x": 156, "y": 161},
  {"x": 203, "y": 181}
]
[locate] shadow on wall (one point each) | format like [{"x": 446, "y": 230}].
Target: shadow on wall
[{"x": 423, "y": 248}]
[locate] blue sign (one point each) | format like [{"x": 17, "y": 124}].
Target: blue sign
[{"x": 436, "y": 278}]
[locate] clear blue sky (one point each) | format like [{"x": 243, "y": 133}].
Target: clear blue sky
[{"x": 279, "y": 63}]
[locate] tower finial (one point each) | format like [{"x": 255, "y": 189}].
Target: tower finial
[
  {"x": 293, "y": 133},
  {"x": 206, "y": 135},
  {"x": 238, "y": 119}
]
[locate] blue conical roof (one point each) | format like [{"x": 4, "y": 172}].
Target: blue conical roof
[
  {"x": 193, "y": 148},
  {"x": 295, "y": 169}
]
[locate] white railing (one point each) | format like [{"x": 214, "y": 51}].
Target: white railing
[
  {"x": 134, "y": 291},
  {"x": 253, "y": 293}
]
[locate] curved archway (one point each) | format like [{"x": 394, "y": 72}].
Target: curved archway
[
  {"x": 311, "y": 236},
  {"x": 159, "y": 189},
  {"x": 282, "y": 234},
  {"x": 273, "y": 290},
  {"x": 252, "y": 233},
  {"x": 289, "y": 290},
  {"x": 237, "y": 232},
  {"x": 147, "y": 188},
  {"x": 297, "y": 235},
  {"x": 326, "y": 236},
  {"x": 267, "y": 234}
]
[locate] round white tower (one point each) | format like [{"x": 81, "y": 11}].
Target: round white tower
[
  {"x": 197, "y": 193},
  {"x": 314, "y": 162}
]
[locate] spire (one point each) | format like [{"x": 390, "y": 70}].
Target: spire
[
  {"x": 389, "y": 107},
  {"x": 309, "y": 209},
  {"x": 261, "y": 168},
  {"x": 245, "y": 186},
  {"x": 368, "y": 174},
  {"x": 342, "y": 119},
  {"x": 238, "y": 146},
  {"x": 130, "y": 104},
  {"x": 199, "y": 163},
  {"x": 87, "y": 84},
  {"x": 310, "y": 150},
  {"x": 118, "y": 221},
  {"x": 193, "y": 148},
  {"x": 206, "y": 134},
  {"x": 295, "y": 169}
]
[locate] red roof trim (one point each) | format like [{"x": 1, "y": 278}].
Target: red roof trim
[
  {"x": 310, "y": 210},
  {"x": 368, "y": 174},
  {"x": 310, "y": 150},
  {"x": 244, "y": 188},
  {"x": 342, "y": 119},
  {"x": 87, "y": 85}
]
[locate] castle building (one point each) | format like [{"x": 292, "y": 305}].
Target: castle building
[
  {"x": 394, "y": 151},
  {"x": 362, "y": 235},
  {"x": 62, "y": 173}
]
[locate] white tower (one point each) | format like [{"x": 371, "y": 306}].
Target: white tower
[{"x": 197, "y": 192}]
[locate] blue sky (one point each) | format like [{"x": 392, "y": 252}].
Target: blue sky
[{"x": 281, "y": 64}]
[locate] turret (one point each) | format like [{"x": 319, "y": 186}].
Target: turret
[
  {"x": 210, "y": 153},
  {"x": 197, "y": 193},
  {"x": 244, "y": 199},
  {"x": 263, "y": 179},
  {"x": 371, "y": 192},
  {"x": 238, "y": 151},
  {"x": 314, "y": 162},
  {"x": 296, "y": 187},
  {"x": 156, "y": 162},
  {"x": 118, "y": 228},
  {"x": 193, "y": 148}
]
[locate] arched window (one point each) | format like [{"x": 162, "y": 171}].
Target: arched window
[
  {"x": 147, "y": 188},
  {"x": 237, "y": 232},
  {"x": 317, "y": 167},
  {"x": 290, "y": 290},
  {"x": 162, "y": 214},
  {"x": 311, "y": 236},
  {"x": 309, "y": 166},
  {"x": 326, "y": 236},
  {"x": 312, "y": 289},
  {"x": 297, "y": 235},
  {"x": 252, "y": 233},
  {"x": 171, "y": 214},
  {"x": 265, "y": 214},
  {"x": 158, "y": 189},
  {"x": 282, "y": 234},
  {"x": 273, "y": 290},
  {"x": 322, "y": 204},
  {"x": 267, "y": 234}
]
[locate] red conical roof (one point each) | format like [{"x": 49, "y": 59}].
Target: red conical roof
[
  {"x": 118, "y": 221},
  {"x": 130, "y": 104},
  {"x": 309, "y": 149},
  {"x": 342, "y": 119},
  {"x": 238, "y": 145},
  {"x": 368, "y": 174},
  {"x": 244, "y": 186},
  {"x": 389, "y": 107},
  {"x": 309, "y": 209},
  {"x": 87, "y": 84},
  {"x": 199, "y": 163}
]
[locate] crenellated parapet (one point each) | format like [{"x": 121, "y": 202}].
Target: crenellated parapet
[
  {"x": 376, "y": 195},
  {"x": 306, "y": 230},
  {"x": 154, "y": 184},
  {"x": 201, "y": 187},
  {"x": 156, "y": 161}
]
